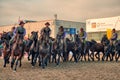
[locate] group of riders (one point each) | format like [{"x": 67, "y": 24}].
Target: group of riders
[{"x": 15, "y": 45}]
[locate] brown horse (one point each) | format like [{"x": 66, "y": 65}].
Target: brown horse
[{"x": 17, "y": 51}]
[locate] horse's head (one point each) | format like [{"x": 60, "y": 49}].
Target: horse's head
[
  {"x": 4, "y": 38},
  {"x": 35, "y": 36},
  {"x": 93, "y": 41},
  {"x": 117, "y": 45},
  {"x": 19, "y": 39}
]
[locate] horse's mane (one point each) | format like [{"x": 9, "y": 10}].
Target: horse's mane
[{"x": 93, "y": 41}]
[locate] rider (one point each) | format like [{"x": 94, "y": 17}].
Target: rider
[
  {"x": 105, "y": 40},
  {"x": 114, "y": 36},
  {"x": 71, "y": 37},
  {"x": 30, "y": 39},
  {"x": 19, "y": 30},
  {"x": 11, "y": 33},
  {"x": 46, "y": 31},
  {"x": 61, "y": 33},
  {"x": 82, "y": 35}
]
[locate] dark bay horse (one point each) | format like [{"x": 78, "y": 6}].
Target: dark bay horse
[
  {"x": 96, "y": 47},
  {"x": 17, "y": 51},
  {"x": 71, "y": 46},
  {"x": 5, "y": 38},
  {"x": 34, "y": 48}
]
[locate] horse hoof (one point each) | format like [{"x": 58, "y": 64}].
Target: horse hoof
[
  {"x": 88, "y": 59},
  {"x": 4, "y": 66},
  {"x": 11, "y": 67},
  {"x": 28, "y": 59},
  {"x": 20, "y": 65},
  {"x": 14, "y": 70},
  {"x": 33, "y": 66},
  {"x": 43, "y": 67},
  {"x": 8, "y": 62}
]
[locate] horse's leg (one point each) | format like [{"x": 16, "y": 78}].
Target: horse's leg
[
  {"x": 103, "y": 56},
  {"x": 113, "y": 54},
  {"x": 20, "y": 63},
  {"x": 29, "y": 56},
  {"x": 88, "y": 55},
  {"x": 13, "y": 61},
  {"x": 58, "y": 60},
  {"x": 46, "y": 59},
  {"x": 35, "y": 58},
  {"x": 43, "y": 63},
  {"x": 16, "y": 65},
  {"x": 39, "y": 60},
  {"x": 96, "y": 55},
  {"x": 71, "y": 58},
  {"x": 81, "y": 57},
  {"x": 4, "y": 57},
  {"x": 84, "y": 54},
  {"x": 78, "y": 56},
  {"x": 92, "y": 56},
  {"x": 49, "y": 57},
  {"x": 32, "y": 52},
  {"x": 117, "y": 55},
  {"x": 55, "y": 57},
  {"x": 4, "y": 62},
  {"x": 74, "y": 55},
  {"x": 8, "y": 58}
]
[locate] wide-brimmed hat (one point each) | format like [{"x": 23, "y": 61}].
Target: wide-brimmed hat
[
  {"x": 21, "y": 22},
  {"x": 47, "y": 23}
]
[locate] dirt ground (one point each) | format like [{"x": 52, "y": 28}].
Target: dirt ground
[{"x": 65, "y": 71}]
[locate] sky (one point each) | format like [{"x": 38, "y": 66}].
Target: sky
[{"x": 73, "y": 10}]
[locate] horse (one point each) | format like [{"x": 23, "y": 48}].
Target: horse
[
  {"x": 96, "y": 47},
  {"x": 27, "y": 48},
  {"x": 71, "y": 46},
  {"x": 34, "y": 48},
  {"x": 44, "y": 52},
  {"x": 81, "y": 48},
  {"x": 5, "y": 38},
  {"x": 51, "y": 43},
  {"x": 117, "y": 49},
  {"x": 108, "y": 49},
  {"x": 17, "y": 51}
]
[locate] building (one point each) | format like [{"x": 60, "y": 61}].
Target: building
[
  {"x": 96, "y": 28},
  {"x": 70, "y": 27}
]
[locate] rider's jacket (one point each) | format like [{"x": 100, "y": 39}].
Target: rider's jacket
[
  {"x": 61, "y": 35},
  {"x": 20, "y": 30},
  {"x": 83, "y": 35},
  {"x": 46, "y": 31},
  {"x": 114, "y": 36}
]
